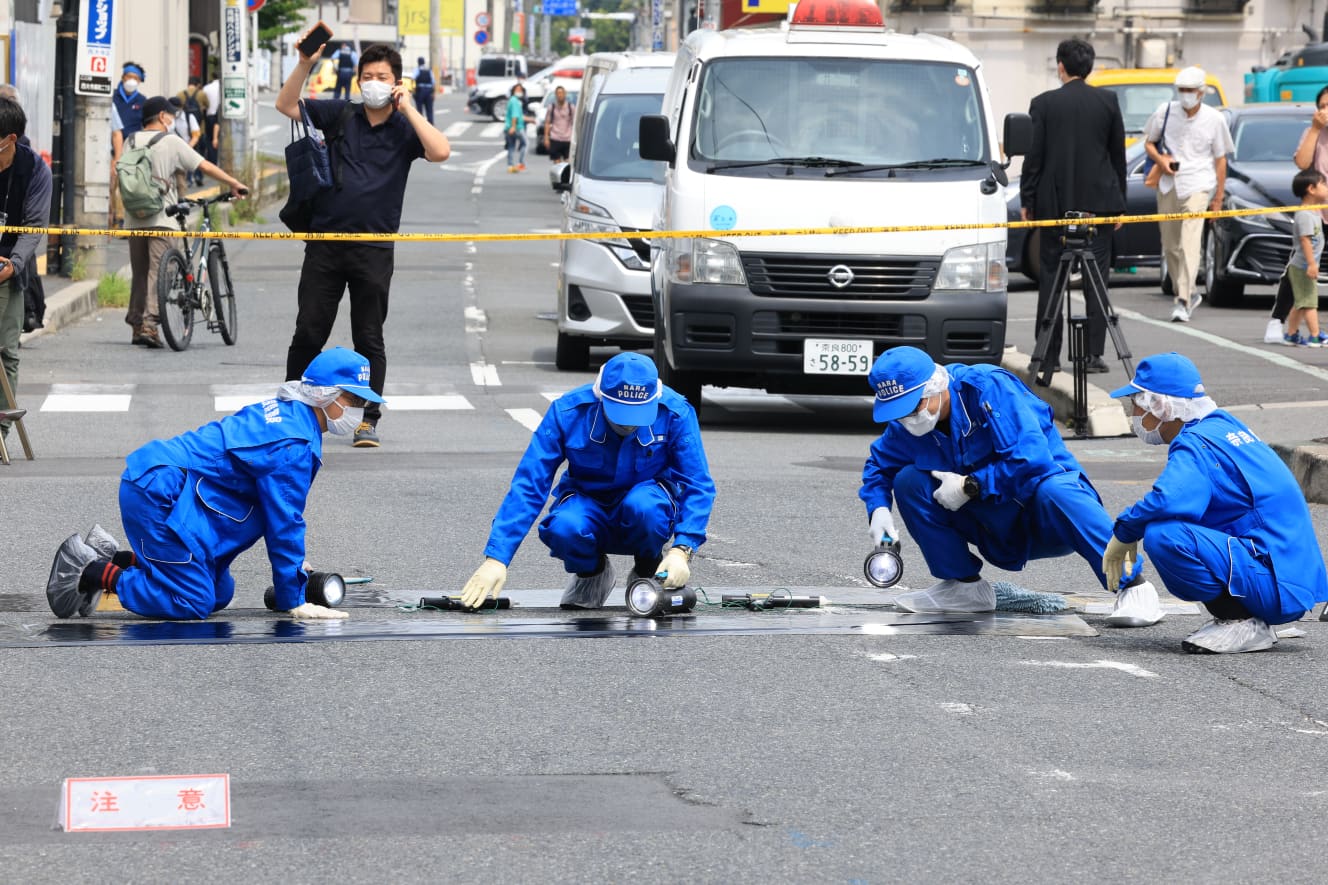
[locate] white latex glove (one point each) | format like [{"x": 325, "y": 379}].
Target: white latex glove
[
  {"x": 312, "y": 611},
  {"x": 950, "y": 494},
  {"x": 882, "y": 526},
  {"x": 1118, "y": 560},
  {"x": 673, "y": 568},
  {"x": 487, "y": 581}
]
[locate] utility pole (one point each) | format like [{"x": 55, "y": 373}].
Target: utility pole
[
  {"x": 233, "y": 150},
  {"x": 436, "y": 44},
  {"x": 91, "y": 130}
]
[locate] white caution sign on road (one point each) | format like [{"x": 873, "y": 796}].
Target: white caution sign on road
[{"x": 153, "y": 802}]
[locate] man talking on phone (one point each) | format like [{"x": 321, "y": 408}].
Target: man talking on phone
[{"x": 378, "y": 141}]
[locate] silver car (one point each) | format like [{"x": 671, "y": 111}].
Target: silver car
[{"x": 604, "y": 285}]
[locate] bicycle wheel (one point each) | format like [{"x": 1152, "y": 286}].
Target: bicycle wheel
[
  {"x": 174, "y": 301},
  {"x": 223, "y": 293}
]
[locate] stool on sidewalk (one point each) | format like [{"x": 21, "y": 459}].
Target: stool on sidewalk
[{"x": 15, "y": 415}]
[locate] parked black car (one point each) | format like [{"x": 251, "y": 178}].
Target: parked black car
[
  {"x": 1133, "y": 245},
  {"x": 1254, "y": 249}
]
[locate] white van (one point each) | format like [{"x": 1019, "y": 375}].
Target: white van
[
  {"x": 604, "y": 285},
  {"x": 818, "y": 126}
]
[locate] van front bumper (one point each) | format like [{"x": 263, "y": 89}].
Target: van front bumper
[{"x": 729, "y": 335}]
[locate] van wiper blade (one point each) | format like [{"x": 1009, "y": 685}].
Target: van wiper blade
[
  {"x": 915, "y": 164},
  {"x": 810, "y": 162}
]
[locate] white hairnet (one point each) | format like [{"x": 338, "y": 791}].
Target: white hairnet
[
  {"x": 1170, "y": 408},
  {"x": 310, "y": 394},
  {"x": 938, "y": 383}
]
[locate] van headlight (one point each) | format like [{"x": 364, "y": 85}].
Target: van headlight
[
  {"x": 703, "y": 261},
  {"x": 585, "y": 217},
  {"x": 976, "y": 268}
]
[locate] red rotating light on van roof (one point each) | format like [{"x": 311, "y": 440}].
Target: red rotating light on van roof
[{"x": 838, "y": 13}]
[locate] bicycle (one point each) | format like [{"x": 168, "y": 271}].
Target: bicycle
[{"x": 197, "y": 280}]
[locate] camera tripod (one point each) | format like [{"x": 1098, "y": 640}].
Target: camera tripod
[{"x": 1077, "y": 257}]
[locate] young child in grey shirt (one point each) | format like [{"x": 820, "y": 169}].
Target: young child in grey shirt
[{"x": 1303, "y": 268}]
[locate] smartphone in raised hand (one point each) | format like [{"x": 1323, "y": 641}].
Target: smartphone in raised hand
[{"x": 320, "y": 34}]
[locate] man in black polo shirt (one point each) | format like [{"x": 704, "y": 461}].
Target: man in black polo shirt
[{"x": 381, "y": 138}]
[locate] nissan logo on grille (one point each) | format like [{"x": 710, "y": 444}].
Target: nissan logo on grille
[{"x": 840, "y": 276}]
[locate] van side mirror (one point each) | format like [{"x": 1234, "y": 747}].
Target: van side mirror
[
  {"x": 653, "y": 137},
  {"x": 563, "y": 182},
  {"x": 1018, "y": 135}
]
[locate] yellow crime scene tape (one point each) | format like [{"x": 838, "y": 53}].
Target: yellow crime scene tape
[{"x": 1101, "y": 220}]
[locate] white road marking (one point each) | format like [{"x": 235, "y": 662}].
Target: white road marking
[
  {"x": 476, "y": 319},
  {"x": 493, "y": 130},
  {"x": 887, "y": 658},
  {"x": 86, "y": 402},
  {"x": 1131, "y": 669},
  {"x": 485, "y": 375},
  {"x": 1054, "y": 774},
  {"x": 427, "y": 402},
  {"x": 958, "y": 709},
  {"x": 527, "y": 418},
  {"x": 456, "y": 129},
  {"x": 233, "y": 397}
]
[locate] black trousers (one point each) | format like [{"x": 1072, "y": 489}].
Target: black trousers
[
  {"x": 329, "y": 270},
  {"x": 1282, "y": 306},
  {"x": 1049, "y": 253}
]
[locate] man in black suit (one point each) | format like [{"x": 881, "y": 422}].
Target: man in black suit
[{"x": 1076, "y": 163}]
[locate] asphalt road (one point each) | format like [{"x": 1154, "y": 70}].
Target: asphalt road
[{"x": 857, "y": 755}]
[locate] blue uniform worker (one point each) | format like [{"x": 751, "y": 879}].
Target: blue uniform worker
[
  {"x": 1225, "y": 524},
  {"x": 192, "y": 503},
  {"x": 346, "y": 60},
  {"x": 972, "y": 457},
  {"x": 424, "y": 90},
  {"x": 636, "y": 476}
]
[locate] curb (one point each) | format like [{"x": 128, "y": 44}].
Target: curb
[
  {"x": 1308, "y": 462},
  {"x": 1105, "y": 415}
]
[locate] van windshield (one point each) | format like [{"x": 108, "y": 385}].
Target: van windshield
[
  {"x": 612, "y": 148},
  {"x": 845, "y": 110}
]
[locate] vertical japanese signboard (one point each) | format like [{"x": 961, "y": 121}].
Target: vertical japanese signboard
[
  {"x": 657, "y": 25},
  {"x": 234, "y": 76},
  {"x": 95, "y": 46}
]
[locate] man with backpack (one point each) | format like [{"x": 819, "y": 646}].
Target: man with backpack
[
  {"x": 371, "y": 147},
  {"x": 195, "y": 103},
  {"x": 146, "y": 175}
]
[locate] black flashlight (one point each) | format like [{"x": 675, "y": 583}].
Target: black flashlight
[
  {"x": 884, "y": 566},
  {"x": 453, "y": 604},
  {"x": 647, "y": 598},
  {"x": 327, "y": 589}
]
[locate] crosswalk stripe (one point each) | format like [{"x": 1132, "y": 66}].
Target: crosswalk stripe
[
  {"x": 493, "y": 130},
  {"x": 422, "y": 403},
  {"x": 456, "y": 129},
  {"x": 527, "y": 418},
  {"x": 485, "y": 375},
  {"x": 86, "y": 402}
]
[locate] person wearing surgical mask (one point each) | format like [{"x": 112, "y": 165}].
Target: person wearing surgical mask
[
  {"x": 192, "y": 503},
  {"x": 380, "y": 137},
  {"x": 1196, "y": 142},
  {"x": 637, "y": 483},
  {"x": 973, "y": 461},
  {"x": 1225, "y": 524}
]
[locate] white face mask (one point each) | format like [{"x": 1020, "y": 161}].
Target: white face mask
[
  {"x": 351, "y": 417},
  {"x": 130, "y": 86},
  {"x": 923, "y": 422},
  {"x": 1189, "y": 100},
  {"x": 1150, "y": 437},
  {"x": 376, "y": 94}
]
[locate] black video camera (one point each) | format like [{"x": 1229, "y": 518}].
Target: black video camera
[{"x": 1079, "y": 233}]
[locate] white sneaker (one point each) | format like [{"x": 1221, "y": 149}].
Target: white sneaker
[
  {"x": 950, "y": 596},
  {"x": 1272, "y": 333},
  {"x": 1136, "y": 606},
  {"x": 589, "y": 592},
  {"x": 1230, "y": 637},
  {"x": 1195, "y": 300},
  {"x": 1179, "y": 314}
]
